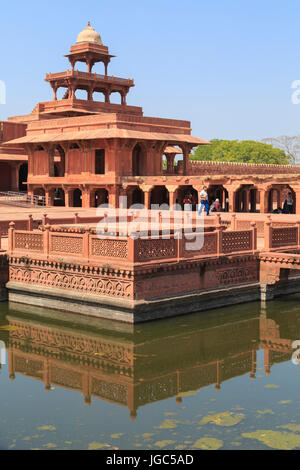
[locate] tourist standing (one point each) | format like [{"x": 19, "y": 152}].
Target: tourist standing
[
  {"x": 204, "y": 201},
  {"x": 288, "y": 204}
]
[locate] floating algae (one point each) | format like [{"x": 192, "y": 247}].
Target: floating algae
[
  {"x": 275, "y": 439},
  {"x": 163, "y": 444},
  {"x": 226, "y": 418},
  {"x": 97, "y": 446},
  {"x": 291, "y": 427},
  {"x": 169, "y": 424},
  {"x": 46, "y": 428},
  {"x": 208, "y": 443}
]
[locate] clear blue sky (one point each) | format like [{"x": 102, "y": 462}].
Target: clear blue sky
[{"x": 225, "y": 65}]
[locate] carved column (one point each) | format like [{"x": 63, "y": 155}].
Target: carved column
[
  {"x": 113, "y": 197},
  {"x": 186, "y": 158},
  {"x": 247, "y": 199},
  {"x": 48, "y": 198},
  {"x": 86, "y": 198},
  {"x": 172, "y": 195},
  {"x": 107, "y": 96},
  {"x": 54, "y": 88},
  {"x": 263, "y": 200}
]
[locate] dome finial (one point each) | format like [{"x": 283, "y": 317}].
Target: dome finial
[{"x": 89, "y": 35}]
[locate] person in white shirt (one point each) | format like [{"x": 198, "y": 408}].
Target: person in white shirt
[{"x": 204, "y": 201}]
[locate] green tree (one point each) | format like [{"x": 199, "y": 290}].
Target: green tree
[{"x": 244, "y": 151}]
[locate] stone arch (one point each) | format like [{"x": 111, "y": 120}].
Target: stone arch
[
  {"x": 159, "y": 195},
  {"x": 217, "y": 191},
  {"x": 273, "y": 199},
  {"x": 77, "y": 197},
  {"x": 284, "y": 189},
  {"x": 23, "y": 175},
  {"x": 100, "y": 197},
  {"x": 58, "y": 195},
  {"x": 135, "y": 195},
  {"x": 242, "y": 198},
  {"x": 116, "y": 97},
  {"x": 139, "y": 157},
  {"x": 81, "y": 94},
  {"x": 62, "y": 93},
  {"x": 59, "y": 161},
  {"x": 187, "y": 190},
  {"x": 98, "y": 96}
]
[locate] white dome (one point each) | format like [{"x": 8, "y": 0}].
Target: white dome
[{"x": 89, "y": 35}]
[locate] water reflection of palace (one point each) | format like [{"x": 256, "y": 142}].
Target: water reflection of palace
[{"x": 135, "y": 366}]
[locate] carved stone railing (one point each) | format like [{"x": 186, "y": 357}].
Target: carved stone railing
[
  {"x": 281, "y": 237},
  {"x": 86, "y": 246},
  {"x": 88, "y": 76},
  {"x": 232, "y": 168}
]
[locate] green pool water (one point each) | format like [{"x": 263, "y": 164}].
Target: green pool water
[{"x": 224, "y": 379}]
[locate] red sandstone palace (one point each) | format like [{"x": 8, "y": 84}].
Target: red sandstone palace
[{"x": 85, "y": 152}]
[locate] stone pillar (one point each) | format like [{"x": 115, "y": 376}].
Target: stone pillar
[
  {"x": 113, "y": 197},
  {"x": 86, "y": 199},
  {"x": 186, "y": 156},
  {"x": 247, "y": 191},
  {"x": 147, "y": 199},
  {"x": 146, "y": 188},
  {"x": 49, "y": 200},
  {"x": 67, "y": 198},
  {"x": 15, "y": 176},
  {"x": 107, "y": 96},
  {"x": 263, "y": 204},
  {"x": 90, "y": 94},
  {"x": 172, "y": 195},
  {"x": 231, "y": 195},
  {"x": 297, "y": 202}
]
